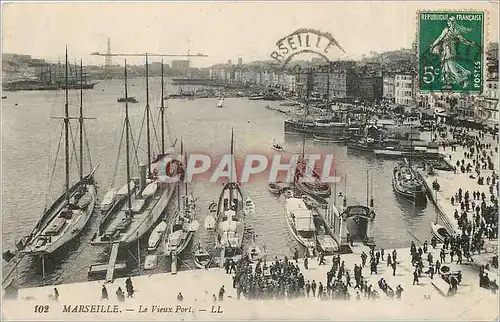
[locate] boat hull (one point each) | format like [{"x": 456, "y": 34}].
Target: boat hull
[
  {"x": 72, "y": 230},
  {"x": 439, "y": 232},
  {"x": 417, "y": 196}
]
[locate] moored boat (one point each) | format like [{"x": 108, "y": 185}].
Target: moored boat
[
  {"x": 230, "y": 223},
  {"x": 146, "y": 197},
  {"x": 275, "y": 187},
  {"x": 406, "y": 184},
  {"x": 202, "y": 258},
  {"x": 301, "y": 223},
  {"x": 181, "y": 231},
  {"x": 440, "y": 232},
  {"x": 249, "y": 208},
  {"x": 69, "y": 214},
  {"x": 254, "y": 252},
  {"x": 156, "y": 236}
]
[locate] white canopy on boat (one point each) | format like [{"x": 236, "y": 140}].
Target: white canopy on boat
[{"x": 303, "y": 217}]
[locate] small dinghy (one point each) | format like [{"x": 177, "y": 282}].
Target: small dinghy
[
  {"x": 249, "y": 208},
  {"x": 254, "y": 253},
  {"x": 440, "y": 232},
  {"x": 221, "y": 102},
  {"x": 277, "y": 146},
  {"x": 212, "y": 207},
  {"x": 156, "y": 236},
  {"x": 150, "y": 189},
  {"x": 202, "y": 258},
  {"x": 108, "y": 200},
  {"x": 275, "y": 188},
  {"x": 210, "y": 222},
  {"x": 150, "y": 262},
  {"x": 288, "y": 193},
  {"x": 123, "y": 190}
]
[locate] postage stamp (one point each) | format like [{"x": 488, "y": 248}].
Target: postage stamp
[{"x": 450, "y": 51}]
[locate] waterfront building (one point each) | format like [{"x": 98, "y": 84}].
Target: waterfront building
[
  {"x": 388, "y": 87},
  {"x": 404, "y": 89},
  {"x": 490, "y": 92}
]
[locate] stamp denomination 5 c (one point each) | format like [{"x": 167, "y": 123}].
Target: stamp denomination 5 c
[{"x": 450, "y": 51}]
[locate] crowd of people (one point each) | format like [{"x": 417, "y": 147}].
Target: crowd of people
[
  {"x": 476, "y": 213},
  {"x": 283, "y": 278}
]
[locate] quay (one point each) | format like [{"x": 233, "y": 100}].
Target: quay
[
  {"x": 198, "y": 287},
  {"x": 450, "y": 182}
]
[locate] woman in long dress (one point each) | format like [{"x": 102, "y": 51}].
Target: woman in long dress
[{"x": 446, "y": 46}]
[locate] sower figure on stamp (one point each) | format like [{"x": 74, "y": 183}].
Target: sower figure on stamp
[{"x": 446, "y": 46}]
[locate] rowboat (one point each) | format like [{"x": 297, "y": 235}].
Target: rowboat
[
  {"x": 156, "y": 235},
  {"x": 150, "y": 262},
  {"x": 254, "y": 253},
  {"x": 201, "y": 257},
  {"x": 276, "y": 187},
  {"x": 440, "y": 232},
  {"x": 249, "y": 208}
]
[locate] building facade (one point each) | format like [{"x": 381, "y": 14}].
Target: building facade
[{"x": 404, "y": 89}]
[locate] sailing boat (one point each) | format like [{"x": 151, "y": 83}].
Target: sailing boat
[
  {"x": 221, "y": 102},
  {"x": 314, "y": 187},
  {"x": 230, "y": 225},
  {"x": 181, "y": 231},
  {"x": 146, "y": 197},
  {"x": 69, "y": 214}
]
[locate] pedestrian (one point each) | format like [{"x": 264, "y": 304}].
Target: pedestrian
[
  {"x": 120, "y": 295},
  {"x": 221, "y": 293},
  {"x": 180, "y": 298},
  {"x": 129, "y": 287},
  {"x": 306, "y": 263},
  {"x": 104, "y": 293},
  {"x": 56, "y": 294},
  {"x": 415, "y": 277}
]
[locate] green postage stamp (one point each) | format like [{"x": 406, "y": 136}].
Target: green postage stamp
[{"x": 450, "y": 54}]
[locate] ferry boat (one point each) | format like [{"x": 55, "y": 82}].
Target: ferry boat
[
  {"x": 301, "y": 223},
  {"x": 406, "y": 184},
  {"x": 70, "y": 213}
]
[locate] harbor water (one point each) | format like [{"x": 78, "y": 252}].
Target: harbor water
[{"x": 30, "y": 138}]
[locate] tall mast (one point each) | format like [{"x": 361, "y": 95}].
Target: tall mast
[
  {"x": 66, "y": 128},
  {"x": 162, "y": 112},
  {"x": 127, "y": 125},
  {"x": 81, "y": 119},
  {"x": 147, "y": 117},
  {"x": 178, "y": 186},
  {"x": 232, "y": 154}
]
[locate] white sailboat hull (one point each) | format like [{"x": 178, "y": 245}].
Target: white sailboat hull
[
  {"x": 72, "y": 229},
  {"x": 150, "y": 217}
]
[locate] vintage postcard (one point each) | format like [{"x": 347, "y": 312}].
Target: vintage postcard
[{"x": 250, "y": 160}]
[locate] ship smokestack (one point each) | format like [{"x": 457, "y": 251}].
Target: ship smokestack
[{"x": 142, "y": 176}]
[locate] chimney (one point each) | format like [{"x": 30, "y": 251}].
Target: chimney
[{"x": 142, "y": 176}]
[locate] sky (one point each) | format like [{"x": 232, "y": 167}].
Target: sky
[{"x": 222, "y": 30}]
